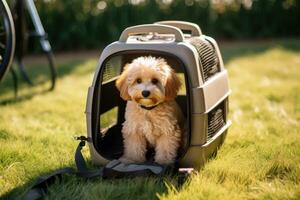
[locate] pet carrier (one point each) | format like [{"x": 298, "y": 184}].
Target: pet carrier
[
  {"x": 204, "y": 98},
  {"x": 204, "y": 101}
]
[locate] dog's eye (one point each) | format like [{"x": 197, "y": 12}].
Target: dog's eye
[
  {"x": 154, "y": 81},
  {"x": 139, "y": 80}
]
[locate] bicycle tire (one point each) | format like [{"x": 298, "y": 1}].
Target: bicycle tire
[{"x": 7, "y": 38}]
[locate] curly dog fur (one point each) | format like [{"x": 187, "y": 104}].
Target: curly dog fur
[{"x": 152, "y": 116}]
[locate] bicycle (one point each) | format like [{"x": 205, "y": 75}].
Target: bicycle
[
  {"x": 7, "y": 38},
  {"x": 16, "y": 29}
]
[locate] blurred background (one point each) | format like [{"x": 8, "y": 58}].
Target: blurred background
[{"x": 89, "y": 24}]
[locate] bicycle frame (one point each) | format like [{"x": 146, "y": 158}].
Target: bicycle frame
[{"x": 39, "y": 32}]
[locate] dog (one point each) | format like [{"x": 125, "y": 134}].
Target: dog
[{"x": 152, "y": 116}]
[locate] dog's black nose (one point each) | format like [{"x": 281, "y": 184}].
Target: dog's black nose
[{"x": 145, "y": 93}]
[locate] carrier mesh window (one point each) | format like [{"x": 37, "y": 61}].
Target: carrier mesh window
[
  {"x": 208, "y": 57},
  {"x": 112, "y": 68},
  {"x": 216, "y": 120}
]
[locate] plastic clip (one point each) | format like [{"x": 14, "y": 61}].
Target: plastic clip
[
  {"x": 82, "y": 139},
  {"x": 184, "y": 173}
]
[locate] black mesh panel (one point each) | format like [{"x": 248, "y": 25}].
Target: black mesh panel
[
  {"x": 208, "y": 57},
  {"x": 216, "y": 120}
]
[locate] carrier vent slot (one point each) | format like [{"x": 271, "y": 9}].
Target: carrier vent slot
[
  {"x": 112, "y": 69},
  {"x": 108, "y": 73},
  {"x": 216, "y": 120},
  {"x": 208, "y": 57}
]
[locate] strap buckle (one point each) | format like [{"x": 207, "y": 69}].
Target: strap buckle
[
  {"x": 82, "y": 139},
  {"x": 184, "y": 173}
]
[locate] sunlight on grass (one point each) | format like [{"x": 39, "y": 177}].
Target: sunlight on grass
[
  {"x": 259, "y": 160},
  {"x": 109, "y": 118}
]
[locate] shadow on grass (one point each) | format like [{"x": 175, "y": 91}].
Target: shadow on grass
[
  {"x": 232, "y": 50},
  {"x": 40, "y": 77},
  {"x": 73, "y": 187}
]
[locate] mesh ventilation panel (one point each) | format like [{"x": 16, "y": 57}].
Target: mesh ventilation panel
[
  {"x": 112, "y": 69},
  {"x": 216, "y": 120},
  {"x": 208, "y": 57}
]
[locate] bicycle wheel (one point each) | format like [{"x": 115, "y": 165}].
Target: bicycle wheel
[{"x": 7, "y": 38}]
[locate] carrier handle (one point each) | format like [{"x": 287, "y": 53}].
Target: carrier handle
[
  {"x": 147, "y": 28},
  {"x": 194, "y": 28}
]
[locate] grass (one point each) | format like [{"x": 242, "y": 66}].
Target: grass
[{"x": 259, "y": 160}]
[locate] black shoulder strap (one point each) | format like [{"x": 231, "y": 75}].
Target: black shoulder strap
[
  {"x": 40, "y": 188},
  {"x": 114, "y": 169},
  {"x": 82, "y": 169}
]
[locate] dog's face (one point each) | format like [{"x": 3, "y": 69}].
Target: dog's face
[{"x": 148, "y": 81}]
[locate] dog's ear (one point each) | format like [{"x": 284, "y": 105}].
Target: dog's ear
[
  {"x": 122, "y": 85},
  {"x": 172, "y": 86}
]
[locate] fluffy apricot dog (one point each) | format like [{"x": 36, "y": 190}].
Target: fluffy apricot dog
[{"x": 152, "y": 117}]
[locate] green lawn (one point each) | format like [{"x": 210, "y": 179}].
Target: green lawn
[{"x": 260, "y": 158}]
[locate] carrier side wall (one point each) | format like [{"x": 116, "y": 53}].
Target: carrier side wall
[
  {"x": 183, "y": 51},
  {"x": 203, "y": 97}
]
